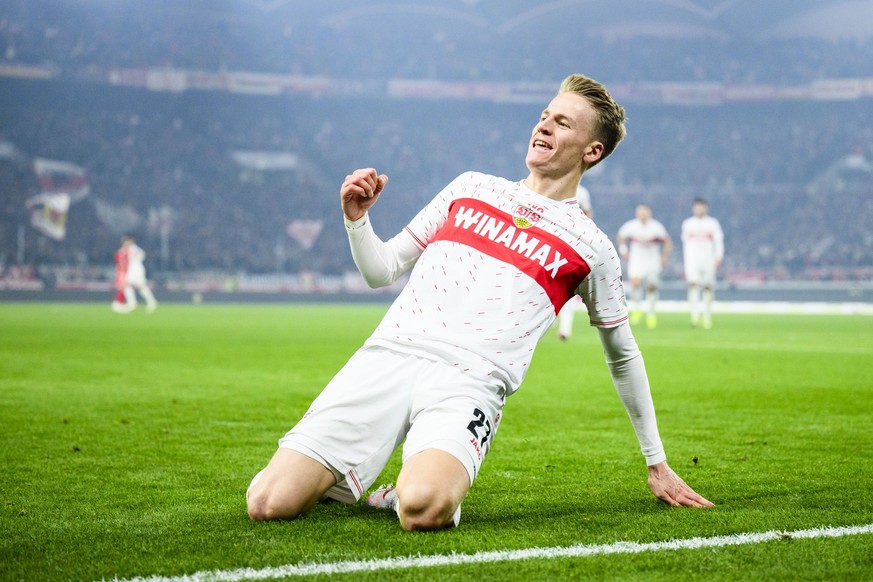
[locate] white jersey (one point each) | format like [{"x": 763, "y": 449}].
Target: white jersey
[
  {"x": 702, "y": 241},
  {"x": 498, "y": 262},
  {"x": 645, "y": 241},
  {"x": 135, "y": 267}
]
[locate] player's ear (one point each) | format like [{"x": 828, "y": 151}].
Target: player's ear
[{"x": 592, "y": 152}]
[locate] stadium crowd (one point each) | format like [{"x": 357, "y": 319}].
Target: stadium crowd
[
  {"x": 478, "y": 41},
  {"x": 149, "y": 151},
  {"x": 771, "y": 170}
]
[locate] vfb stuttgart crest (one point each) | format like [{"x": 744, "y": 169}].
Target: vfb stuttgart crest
[{"x": 525, "y": 217}]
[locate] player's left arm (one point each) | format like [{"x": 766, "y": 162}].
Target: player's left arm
[
  {"x": 666, "y": 246},
  {"x": 629, "y": 377},
  {"x": 621, "y": 239},
  {"x": 718, "y": 241}
]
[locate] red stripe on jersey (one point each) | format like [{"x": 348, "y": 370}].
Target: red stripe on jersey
[
  {"x": 611, "y": 323},
  {"x": 417, "y": 240},
  {"x": 543, "y": 256}
]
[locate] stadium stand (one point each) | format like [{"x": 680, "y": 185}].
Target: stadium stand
[{"x": 790, "y": 179}]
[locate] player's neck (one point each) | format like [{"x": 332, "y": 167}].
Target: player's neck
[{"x": 561, "y": 188}]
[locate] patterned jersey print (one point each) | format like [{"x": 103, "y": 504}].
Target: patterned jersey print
[{"x": 498, "y": 262}]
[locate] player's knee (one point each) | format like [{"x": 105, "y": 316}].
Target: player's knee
[
  {"x": 262, "y": 506},
  {"x": 257, "y": 508},
  {"x": 425, "y": 507}
]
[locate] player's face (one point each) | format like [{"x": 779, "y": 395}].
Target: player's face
[
  {"x": 562, "y": 140},
  {"x": 644, "y": 213},
  {"x": 699, "y": 210}
]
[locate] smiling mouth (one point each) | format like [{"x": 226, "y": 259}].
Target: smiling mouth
[{"x": 538, "y": 143}]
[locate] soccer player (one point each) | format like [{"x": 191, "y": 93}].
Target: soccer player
[
  {"x": 119, "y": 304},
  {"x": 491, "y": 262},
  {"x": 703, "y": 250},
  {"x": 129, "y": 260},
  {"x": 645, "y": 245}
]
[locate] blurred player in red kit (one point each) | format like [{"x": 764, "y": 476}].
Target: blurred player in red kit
[{"x": 130, "y": 277}]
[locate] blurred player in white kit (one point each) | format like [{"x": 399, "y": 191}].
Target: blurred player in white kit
[
  {"x": 645, "y": 244},
  {"x": 130, "y": 277},
  {"x": 491, "y": 262},
  {"x": 568, "y": 312},
  {"x": 703, "y": 250},
  {"x": 583, "y": 199}
]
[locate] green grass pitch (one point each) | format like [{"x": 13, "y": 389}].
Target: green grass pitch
[{"x": 127, "y": 442}]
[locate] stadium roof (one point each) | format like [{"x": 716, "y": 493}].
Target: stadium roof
[{"x": 717, "y": 19}]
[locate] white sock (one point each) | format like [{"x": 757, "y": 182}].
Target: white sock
[
  {"x": 694, "y": 302},
  {"x": 148, "y": 296},
  {"x": 636, "y": 299},
  {"x": 653, "y": 301},
  {"x": 565, "y": 319},
  {"x": 708, "y": 295},
  {"x": 130, "y": 297}
]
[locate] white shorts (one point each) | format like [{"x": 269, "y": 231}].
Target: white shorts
[
  {"x": 381, "y": 397},
  {"x": 700, "y": 272},
  {"x": 645, "y": 270},
  {"x": 136, "y": 276}
]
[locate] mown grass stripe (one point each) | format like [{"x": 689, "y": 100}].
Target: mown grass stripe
[{"x": 575, "y": 551}]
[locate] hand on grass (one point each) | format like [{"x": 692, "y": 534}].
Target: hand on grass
[{"x": 671, "y": 489}]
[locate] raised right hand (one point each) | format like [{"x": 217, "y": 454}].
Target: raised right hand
[{"x": 360, "y": 190}]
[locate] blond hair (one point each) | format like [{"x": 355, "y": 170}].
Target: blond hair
[{"x": 610, "y": 116}]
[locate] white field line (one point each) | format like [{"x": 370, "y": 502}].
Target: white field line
[{"x": 575, "y": 551}]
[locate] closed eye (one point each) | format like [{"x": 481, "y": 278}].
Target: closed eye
[{"x": 559, "y": 119}]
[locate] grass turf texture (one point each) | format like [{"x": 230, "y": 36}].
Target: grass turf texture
[{"x": 127, "y": 443}]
